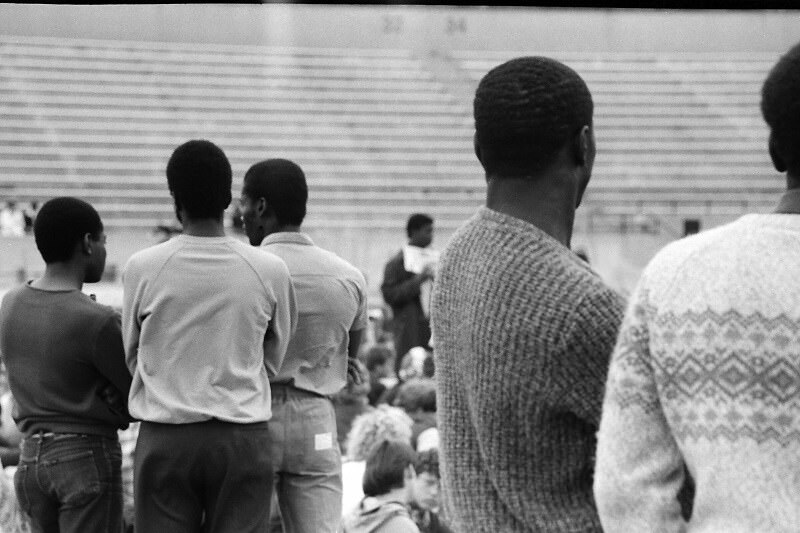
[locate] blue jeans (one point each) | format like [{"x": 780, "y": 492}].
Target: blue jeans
[
  {"x": 307, "y": 461},
  {"x": 70, "y": 483}
]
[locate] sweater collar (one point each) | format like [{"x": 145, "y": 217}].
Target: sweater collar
[
  {"x": 287, "y": 237},
  {"x": 790, "y": 203}
]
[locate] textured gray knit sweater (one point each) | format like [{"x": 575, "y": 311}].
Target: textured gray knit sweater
[{"x": 523, "y": 333}]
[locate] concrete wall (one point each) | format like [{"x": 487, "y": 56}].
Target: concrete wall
[{"x": 418, "y": 27}]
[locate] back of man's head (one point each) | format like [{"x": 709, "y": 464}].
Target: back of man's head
[
  {"x": 282, "y": 184},
  {"x": 416, "y": 222},
  {"x": 61, "y": 224},
  {"x": 525, "y": 111},
  {"x": 386, "y": 467},
  {"x": 780, "y": 105},
  {"x": 200, "y": 179}
]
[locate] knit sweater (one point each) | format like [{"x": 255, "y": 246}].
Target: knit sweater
[
  {"x": 706, "y": 373},
  {"x": 523, "y": 332}
]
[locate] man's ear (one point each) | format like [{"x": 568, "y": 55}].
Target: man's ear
[
  {"x": 583, "y": 147},
  {"x": 86, "y": 244},
  {"x": 777, "y": 160},
  {"x": 477, "y": 148},
  {"x": 261, "y": 207}
]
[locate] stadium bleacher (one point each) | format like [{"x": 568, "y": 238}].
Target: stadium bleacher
[{"x": 378, "y": 133}]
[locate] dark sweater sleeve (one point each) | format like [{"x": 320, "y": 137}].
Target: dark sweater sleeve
[
  {"x": 589, "y": 344},
  {"x": 397, "y": 288},
  {"x": 109, "y": 355}
]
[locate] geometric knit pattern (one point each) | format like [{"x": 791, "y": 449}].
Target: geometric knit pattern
[
  {"x": 706, "y": 374},
  {"x": 523, "y": 331},
  {"x": 713, "y": 386}
]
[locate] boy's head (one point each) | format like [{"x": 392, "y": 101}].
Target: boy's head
[
  {"x": 379, "y": 361},
  {"x": 425, "y": 485},
  {"x": 199, "y": 178},
  {"x": 417, "y": 395},
  {"x": 389, "y": 466},
  {"x": 70, "y": 230}
]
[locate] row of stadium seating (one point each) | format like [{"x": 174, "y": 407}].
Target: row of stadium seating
[{"x": 379, "y": 132}]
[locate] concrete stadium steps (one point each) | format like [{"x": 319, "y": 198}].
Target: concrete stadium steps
[{"x": 378, "y": 134}]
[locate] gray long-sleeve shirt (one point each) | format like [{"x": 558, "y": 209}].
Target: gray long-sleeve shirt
[{"x": 206, "y": 322}]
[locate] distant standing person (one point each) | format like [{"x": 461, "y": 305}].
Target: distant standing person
[
  {"x": 65, "y": 357},
  {"x": 12, "y": 220},
  {"x": 524, "y": 328},
  {"x": 407, "y": 282},
  {"x": 321, "y": 357},
  {"x": 206, "y": 323},
  {"x": 706, "y": 373}
]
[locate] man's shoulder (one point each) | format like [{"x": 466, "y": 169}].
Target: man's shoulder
[
  {"x": 693, "y": 249},
  {"x": 261, "y": 258},
  {"x": 395, "y": 258},
  {"x": 338, "y": 266},
  {"x": 151, "y": 255}
]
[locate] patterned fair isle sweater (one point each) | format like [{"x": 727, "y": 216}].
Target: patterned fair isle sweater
[
  {"x": 707, "y": 373},
  {"x": 523, "y": 334}
]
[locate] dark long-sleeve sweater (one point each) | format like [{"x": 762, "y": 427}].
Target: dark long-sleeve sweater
[
  {"x": 62, "y": 350},
  {"x": 523, "y": 331},
  {"x": 401, "y": 290}
]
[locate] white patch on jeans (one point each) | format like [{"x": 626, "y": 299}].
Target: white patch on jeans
[{"x": 323, "y": 441}]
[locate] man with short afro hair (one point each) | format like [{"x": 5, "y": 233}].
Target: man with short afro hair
[
  {"x": 206, "y": 322},
  {"x": 321, "y": 357},
  {"x": 522, "y": 327},
  {"x": 525, "y": 110},
  {"x": 705, "y": 376}
]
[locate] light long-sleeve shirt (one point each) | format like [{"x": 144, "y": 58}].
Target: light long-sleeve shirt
[
  {"x": 206, "y": 322},
  {"x": 706, "y": 374}
]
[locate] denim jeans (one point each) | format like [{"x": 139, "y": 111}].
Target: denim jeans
[
  {"x": 70, "y": 483},
  {"x": 307, "y": 461}
]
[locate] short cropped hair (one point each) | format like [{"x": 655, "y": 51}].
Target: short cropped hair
[
  {"x": 61, "y": 224},
  {"x": 525, "y": 111},
  {"x": 386, "y": 467},
  {"x": 417, "y": 221},
  {"x": 283, "y": 185},
  {"x": 780, "y": 105},
  {"x": 427, "y": 462},
  {"x": 377, "y": 355},
  {"x": 200, "y": 178}
]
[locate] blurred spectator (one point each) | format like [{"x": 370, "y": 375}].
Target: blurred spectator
[
  {"x": 428, "y": 440},
  {"x": 424, "y": 500},
  {"x": 407, "y": 279},
  {"x": 164, "y": 232},
  {"x": 12, "y": 518},
  {"x": 380, "y": 361},
  {"x": 369, "y": 429},
  {"x": 417, "y": 397},
  {"x": 349, "y": 403},
  {"x": 387, "y": 482},
  {"x": 29, "y": 213},
  {"x": 10, "y": 436},
  {"x": 12, "y": 220},
  {"x": 412, "y": 366}
]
